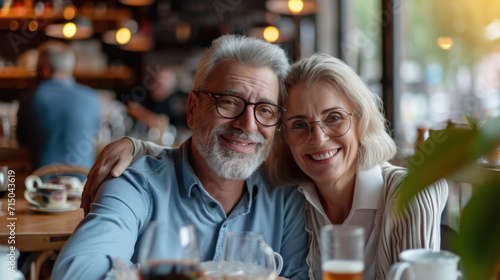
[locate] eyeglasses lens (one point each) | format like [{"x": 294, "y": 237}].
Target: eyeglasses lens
[{"x": 334, "y": 124}]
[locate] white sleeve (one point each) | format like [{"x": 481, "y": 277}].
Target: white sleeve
[
  {"x": 418, "y": 226},
  {"x": 142, "y": 148}
]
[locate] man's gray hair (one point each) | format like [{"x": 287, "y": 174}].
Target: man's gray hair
[
  {"x": 58, "y": 56},
  {"x": 246, "y": 50}
]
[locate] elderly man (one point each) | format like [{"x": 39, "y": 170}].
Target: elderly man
[{"x": 211, "y": 180}]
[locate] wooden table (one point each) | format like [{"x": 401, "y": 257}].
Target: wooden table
[
  {"x": 40, "y": 233},
  {"x": 36, "y": 231}
]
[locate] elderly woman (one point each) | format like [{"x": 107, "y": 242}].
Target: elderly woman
[{"x": 335, "y": 146}]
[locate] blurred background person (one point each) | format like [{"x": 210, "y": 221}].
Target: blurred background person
[
  {"x": 61, "y": 119},
  {"x": 164, "y": 104}
]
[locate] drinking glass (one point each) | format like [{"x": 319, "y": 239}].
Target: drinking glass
[
  {"x": 246, "y": 255},
  {"x": 168, "y": 252},
  {"x": 342, "y": 252},
  {"x": 4, "y": 184}
]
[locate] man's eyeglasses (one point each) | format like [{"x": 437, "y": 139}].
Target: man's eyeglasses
[
  {"x": 334, "y": 124},
  {"x": 231, "y": 107}
]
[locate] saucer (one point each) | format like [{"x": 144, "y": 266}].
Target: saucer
[{"x": 69, "y": 207}]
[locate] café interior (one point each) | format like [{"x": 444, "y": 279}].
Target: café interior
[{"x": 434, "y": 65}]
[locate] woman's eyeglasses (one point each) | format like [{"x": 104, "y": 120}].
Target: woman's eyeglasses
[{"x": 334, "y": 124}]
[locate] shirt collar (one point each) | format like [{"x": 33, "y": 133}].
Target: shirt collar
[{"x": 367, "y": 190}]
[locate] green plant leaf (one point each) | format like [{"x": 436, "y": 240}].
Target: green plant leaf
[
  {"x": 479, "y": 240},
  {"x": 439, "y": 156},
  {"x": 446, "y": 152}
]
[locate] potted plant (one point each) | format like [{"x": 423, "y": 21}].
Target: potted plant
[{"x": 447, "y": 152}]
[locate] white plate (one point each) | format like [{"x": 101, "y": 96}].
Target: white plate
[{"x": 65, "y": 209}]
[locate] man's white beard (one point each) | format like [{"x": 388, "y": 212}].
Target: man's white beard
[{"x": 225, "y": 162}]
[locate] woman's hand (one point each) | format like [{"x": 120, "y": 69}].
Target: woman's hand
[{"x": 114, "y": 159}]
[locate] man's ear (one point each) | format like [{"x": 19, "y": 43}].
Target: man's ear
[{"x": 193, "y": 100}]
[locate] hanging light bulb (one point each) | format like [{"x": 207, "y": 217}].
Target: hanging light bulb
[
  {"x": 123, "y": 36},
  {"x": 69, "y": 30},
  {"x": 295, "y": 6},
  {"x": 292, "y": 7},
  {"x": 271, "y": 34},
  {"x": 78, "y": 28}
]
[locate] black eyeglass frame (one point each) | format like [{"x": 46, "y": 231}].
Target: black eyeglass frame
[{"x": 216, "y": 96}]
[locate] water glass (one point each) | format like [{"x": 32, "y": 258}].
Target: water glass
[
  {"x": 246, "y": 255},
  {"x": 342, "y": 254}
]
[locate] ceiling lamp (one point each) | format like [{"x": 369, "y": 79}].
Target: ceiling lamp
[
  {"x": 79, "y": 28},
  {"x": 445, "y": 43},
  {"x": 136, "y": 2},
  {"x": 117, "y": 37},
  {"x": 292, "y": 7},
  {"x": 269, "y": 33}
]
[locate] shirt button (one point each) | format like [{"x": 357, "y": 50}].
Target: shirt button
[
  {"x": 212, "y": 204},
  {"x": 224, "y": 225}
]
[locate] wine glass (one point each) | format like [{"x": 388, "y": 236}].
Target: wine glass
[
  {"x": 246, "y": 255},
  {"x": 168, "y": 252},
  {"x": 4, "y": 184}
]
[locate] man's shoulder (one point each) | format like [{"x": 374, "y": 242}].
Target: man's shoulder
[
  {"x": 161, "y": 164},
  {"x": 85, "y": 91}
]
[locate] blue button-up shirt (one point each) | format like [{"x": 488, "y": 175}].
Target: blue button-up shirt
[
  {"x": 66, "y": 116},
  {"x": 166, "y": 189}
]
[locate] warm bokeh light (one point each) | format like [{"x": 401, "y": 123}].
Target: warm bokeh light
[
  {"x": 183, "y": 32},
  {"x": 445, "y": 43},
  {"x": 295, "y": 6},
  {"x": 69, "y": 30},
  {"x": 271, "y": 34},
  {"x": 33, "y": 26},
  {"x": 123, "y": 36},
  {"x": 69, "y": 12},
  {"x": 14, "y": 25}
]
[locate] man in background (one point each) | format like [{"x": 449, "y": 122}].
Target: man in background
[
  {"x": 163, "y": 100},
  {"x": 61, "y": 119}
]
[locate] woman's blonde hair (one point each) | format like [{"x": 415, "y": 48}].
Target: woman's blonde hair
[{"x": 375, "y": 144}]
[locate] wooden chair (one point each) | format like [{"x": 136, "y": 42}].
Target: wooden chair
[{"x": 38, "y": 259}]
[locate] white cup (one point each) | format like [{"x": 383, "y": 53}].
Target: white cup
[
  {"x": 425, "y": 264},
  {"x": 45, "y": 195},
  {"x": 71, "y": 181}
]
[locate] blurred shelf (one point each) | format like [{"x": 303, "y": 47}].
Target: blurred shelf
[
  {"x": 102, "y": 19},
  {"x": 476, "y": 174},
  {"x": 114, "y": 76}
]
